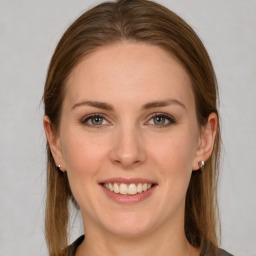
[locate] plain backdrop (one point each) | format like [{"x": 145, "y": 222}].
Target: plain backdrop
[{"x": 29, "y": 31}]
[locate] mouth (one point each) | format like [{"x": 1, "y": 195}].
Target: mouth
[{"x": 128, "y": 189}]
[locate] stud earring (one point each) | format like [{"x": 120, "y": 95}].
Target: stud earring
[
  {"x": 201, "y": 165},
  {"x": 59, "y": 167}
]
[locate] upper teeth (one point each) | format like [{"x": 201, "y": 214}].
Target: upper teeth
[{"x": 127, "y": 189}]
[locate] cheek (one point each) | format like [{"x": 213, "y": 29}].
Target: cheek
[
  {"x": 84, "y": 157},
  {"x": 175, "y": 153},
  {"x": 82, "y": 154},
  {"x": 174, "y": 157}
]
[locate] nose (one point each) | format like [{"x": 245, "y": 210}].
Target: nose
[{"x": 128, "y": 149}]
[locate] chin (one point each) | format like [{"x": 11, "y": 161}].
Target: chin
[{"x": 130, "y": 225}]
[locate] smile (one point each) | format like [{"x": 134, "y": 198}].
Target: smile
[{"x": 127, "y": 189}]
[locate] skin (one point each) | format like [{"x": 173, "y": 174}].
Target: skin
[{"x": 130, "y": 143}]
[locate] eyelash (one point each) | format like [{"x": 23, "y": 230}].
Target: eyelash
[
  {"x": 91, "y": 116},
  {"x": 163, "y": 115},
  {"x": 170, "y": 119}
]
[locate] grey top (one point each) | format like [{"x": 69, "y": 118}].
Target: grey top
[{"x": 72, "y": 248}]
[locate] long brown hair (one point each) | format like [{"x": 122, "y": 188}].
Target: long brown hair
[{"x": 136, "y": 21}]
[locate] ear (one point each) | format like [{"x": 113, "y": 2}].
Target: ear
[
  {"x": 54, "y": 143},
  {"x": 206, "y": 140}
]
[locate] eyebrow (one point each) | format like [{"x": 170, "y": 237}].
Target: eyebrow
[
  {"x": 94, "y": 104},
  {"x": 108, "y": 107},
  {"x": 164, "y": 103}
]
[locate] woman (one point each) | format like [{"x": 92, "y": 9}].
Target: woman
[{"x": 133, "y": 135}]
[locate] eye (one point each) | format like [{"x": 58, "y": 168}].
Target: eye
[
  {"x": 161, "y": 120},
  {"x": 94, "y": 120}
]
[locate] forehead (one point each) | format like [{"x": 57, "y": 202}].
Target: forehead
[{"x": 127, "y": 73}]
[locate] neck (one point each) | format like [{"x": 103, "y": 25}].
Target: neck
[{"x": 164, "y": 241}]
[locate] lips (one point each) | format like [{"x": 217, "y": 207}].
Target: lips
[{"x": 128, "y": 189}]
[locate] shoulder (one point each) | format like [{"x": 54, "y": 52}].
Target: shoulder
[
  {"x": 73, "y": 247},
  {"x": 215, "y": 252},
  {"x": 224, "y": 253}
]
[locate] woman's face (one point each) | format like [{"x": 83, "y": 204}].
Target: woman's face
[{"x": 129, "y": 124}]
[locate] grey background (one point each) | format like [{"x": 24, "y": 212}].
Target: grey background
[{"x": 29, "y": 31}]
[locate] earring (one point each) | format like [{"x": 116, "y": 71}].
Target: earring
[
  {"x": 59, "y": 167},
  {"x": 201, "y": 165}
]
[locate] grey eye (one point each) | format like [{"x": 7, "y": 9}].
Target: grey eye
[
  {"x": 159, "y": 120},
  {"x": 97, "y": 120},
  {"x": 94, "y": 120}
]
